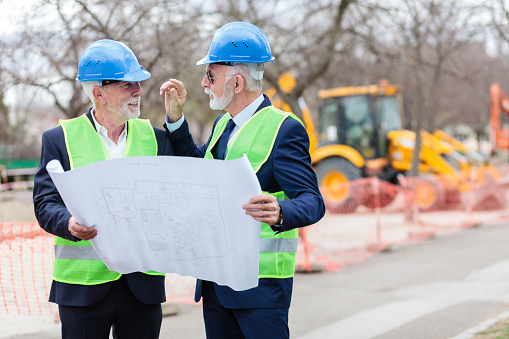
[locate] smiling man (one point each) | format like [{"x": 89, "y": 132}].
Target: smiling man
[{"x": 91, "y": 299}]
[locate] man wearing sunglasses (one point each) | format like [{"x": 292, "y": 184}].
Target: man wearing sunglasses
[
  {"x": 92, "y": 300},
  {"x": 276, "y": 144}
]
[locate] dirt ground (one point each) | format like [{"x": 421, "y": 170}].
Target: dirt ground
[{"x": 16, "y": 206}]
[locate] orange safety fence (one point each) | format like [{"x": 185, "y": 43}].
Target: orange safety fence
[
  {"x": 376, "y": 216},
  {"x": 26, "y": 270}
]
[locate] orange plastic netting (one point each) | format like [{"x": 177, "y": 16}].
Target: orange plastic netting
[
  {"x": 26, "y": 267},
  {"x": 376, "y": 216}
]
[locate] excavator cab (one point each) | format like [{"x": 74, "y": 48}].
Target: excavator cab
[
  {"x": 360, "y": 121},
  {"x": 360, "y": 118}
]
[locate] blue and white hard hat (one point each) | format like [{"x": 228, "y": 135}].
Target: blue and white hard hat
[
  {"x": 110, "y": 60},
  {"x": 238, "y": 42}
]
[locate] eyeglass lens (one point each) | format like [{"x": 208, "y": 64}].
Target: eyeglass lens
[{"x": 210, "y": 77}]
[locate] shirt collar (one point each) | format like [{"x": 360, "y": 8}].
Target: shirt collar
[
  {"x": 244, "y": 115},
  {"x": 103, "y": 131}
]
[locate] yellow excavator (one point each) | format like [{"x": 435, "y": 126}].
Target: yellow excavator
[{"x": 360, "y": 134}]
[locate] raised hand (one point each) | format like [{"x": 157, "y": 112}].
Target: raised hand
[{"x": 174, "y": 98}]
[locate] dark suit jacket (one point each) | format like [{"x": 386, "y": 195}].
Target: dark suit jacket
[
  {"x": 287, "y": 169},
  {"x": 54, "y": 217}
]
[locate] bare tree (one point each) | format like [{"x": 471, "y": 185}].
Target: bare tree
[
  {"x": 466, "y": 100},
  {"x": 4, "y": 119},
  {"x": 428, "y": 33},
  {"x": 323, "y": 43},
  {"x": 46, "y": 55},
  {"x": 500, "y": 17},
  {"x": 4, "y": 110},
  {"x": 4, "y": 122},
  {"x": 44, "y": 51}
]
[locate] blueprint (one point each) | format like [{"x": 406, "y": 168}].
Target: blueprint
[{"x": 168, "y": 214}]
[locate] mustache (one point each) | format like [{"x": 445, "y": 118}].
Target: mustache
[{"x": 135, "y": 100}]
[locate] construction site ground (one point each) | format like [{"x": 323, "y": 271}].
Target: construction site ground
[{"x": 452, "y": 285}]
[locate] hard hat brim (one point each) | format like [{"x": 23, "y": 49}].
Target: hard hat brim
[
  {"x": 206, "y": 60},
  {"x": 136, "y": 76}
]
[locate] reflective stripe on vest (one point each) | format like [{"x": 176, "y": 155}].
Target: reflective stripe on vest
[
  {"x": 76, "y": 252},
  {"x": 256, "y": 139},
  {"x": 78, "y": 262},
  {"x": 280, "y": 245}
]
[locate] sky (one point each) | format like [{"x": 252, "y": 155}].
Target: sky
[{"x": 10, "y": 11}]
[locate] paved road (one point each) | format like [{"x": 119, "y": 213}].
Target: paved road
[
  {"x": 435, "y": 289},
  {"x": 438, "y": 288}
]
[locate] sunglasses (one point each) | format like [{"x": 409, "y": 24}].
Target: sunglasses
[{"x": 211, "y": 77}]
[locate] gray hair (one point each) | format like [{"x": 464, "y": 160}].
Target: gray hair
[
  {"x": 252, "y": 85},
  {"x": 88, "y": 86}
]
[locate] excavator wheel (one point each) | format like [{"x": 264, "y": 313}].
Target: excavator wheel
[
  {"x": 334, "y": 178},
  {"x": 429, "y": 193}
]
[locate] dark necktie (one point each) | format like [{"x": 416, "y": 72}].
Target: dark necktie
[{"x": 223, "y": 141}]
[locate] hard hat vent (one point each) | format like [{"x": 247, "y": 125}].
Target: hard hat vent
[{"x": 243, "y": 42}]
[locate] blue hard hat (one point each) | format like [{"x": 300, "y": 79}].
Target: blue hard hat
[
  {"x": 238, "y": 42},
  {"x": 110, "y": 60}
]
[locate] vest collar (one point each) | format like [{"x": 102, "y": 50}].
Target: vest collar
[
  {"x": 266, "y": 102},
  {"x": 89, "y": 116}
]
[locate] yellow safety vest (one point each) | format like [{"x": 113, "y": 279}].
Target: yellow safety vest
[
  {"x": 78, "y": 262},
  {"x": 256, "y": 139}
]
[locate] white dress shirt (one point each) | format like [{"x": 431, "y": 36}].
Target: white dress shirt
[{"x": 115, "y": 150}]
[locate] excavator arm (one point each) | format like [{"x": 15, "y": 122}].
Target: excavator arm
[{"x": 499, "y": 105}]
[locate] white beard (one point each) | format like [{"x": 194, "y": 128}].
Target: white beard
[
  {"x": 220, "y": 103},
  {"x": 125, "y": 111}
]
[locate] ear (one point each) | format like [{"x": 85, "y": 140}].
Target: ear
[
  {"x": 98, "y": 93},
  {"x": 239, "y": 83}
]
